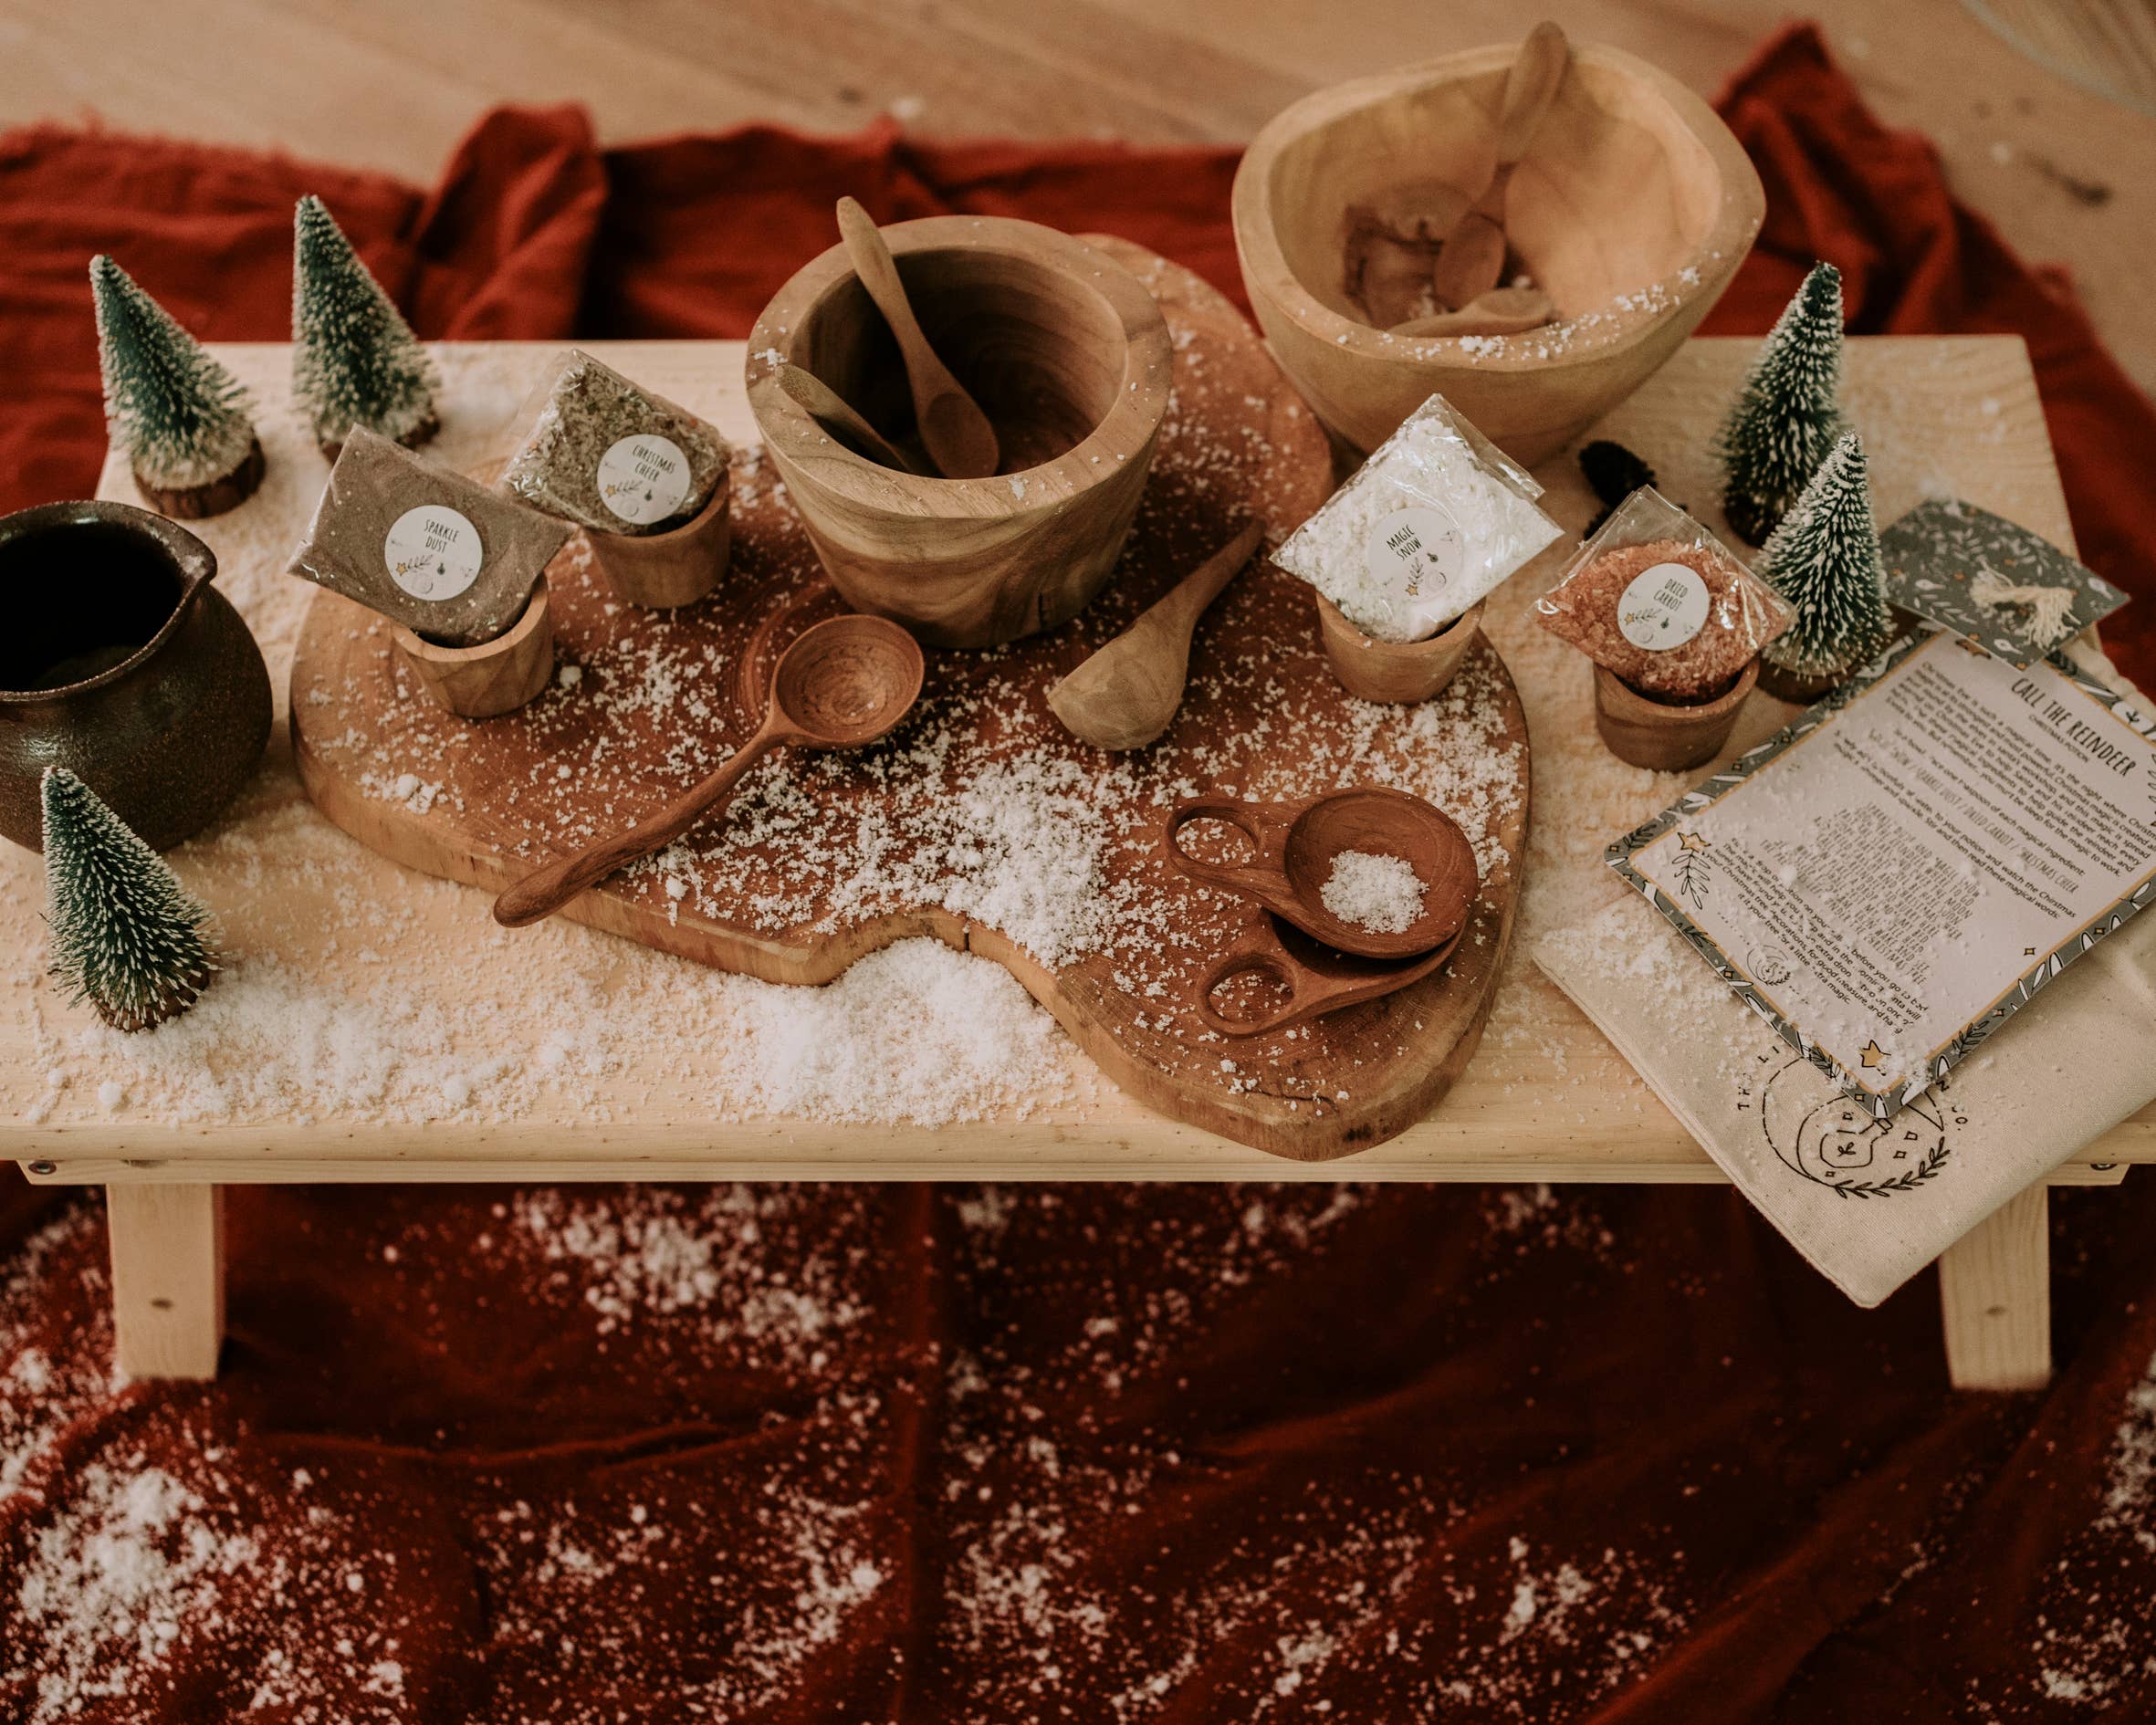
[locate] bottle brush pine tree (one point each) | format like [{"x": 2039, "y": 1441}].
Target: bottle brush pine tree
[
  {"x": 1788, "y": 414},
  {"x": 125, "y": 934},
  {"x": 182, "y": 418},
  {"x": 1825, "y": 560},
  {"x": 355, "y": 360}
]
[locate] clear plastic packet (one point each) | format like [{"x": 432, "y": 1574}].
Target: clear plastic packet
[
  {"x": 427, "y": 548},
  {"x": 1663, "y": 603},
  {"x": 610, "y": 455},
  {"x": 1423, "y": 531}
]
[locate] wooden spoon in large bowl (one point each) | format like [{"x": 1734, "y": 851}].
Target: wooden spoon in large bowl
[
  {"x": 1471, "y": 259},
  {"x": 846, "y": 681},
  {"x": 955, "y": 432}
]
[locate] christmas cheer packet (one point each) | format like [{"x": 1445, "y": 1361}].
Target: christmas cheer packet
[{"x": 1869, "y": 1202}]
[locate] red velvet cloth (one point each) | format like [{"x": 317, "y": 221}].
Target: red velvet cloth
[{"x": 1140, "y": 1454}]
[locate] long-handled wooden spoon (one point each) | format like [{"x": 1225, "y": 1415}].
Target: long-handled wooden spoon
[
  {"x": 1501, "y": 311},
  {"x": 1127, "y": 694},
  {"x": 831, "y": 411},
  {"x": 955, "y": 432},
  {"x": 1472, "y": 256},
  {"x": 845, "y": 682}
]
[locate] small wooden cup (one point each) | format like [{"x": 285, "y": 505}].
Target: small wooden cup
[
  {"x": 1668, "y": 737},
  {"x": 1397, "y": 672},
  {"x": 495, "y": 677},
  {"x": 663, "y": 571},
  {"x": 1799, "y": 691}
]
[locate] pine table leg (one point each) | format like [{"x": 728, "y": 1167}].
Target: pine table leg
[
  {"x": 1994, "y": 1294},
  {"x": 168, "y": 1277}
]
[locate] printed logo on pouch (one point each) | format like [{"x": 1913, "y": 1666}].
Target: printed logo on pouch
[
  {"x": 433, "y": 552},
  {"x": 644, "y": 478},
  {"x": 1423, "y": 544},
  {"x": 1663, "y": 607},
  {"x": 1837, "y": 1143}
]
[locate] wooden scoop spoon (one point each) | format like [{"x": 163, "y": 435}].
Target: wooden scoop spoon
[
  {"x": 1501, "y": 311},
  {"x": 1127, "y": 694},
  {"x": 1306, "y": 977},
  {"x": 954, "y": 430},
  {"x": 830, "y": 410},
  {"x": 845, "y": 682},
  {"x": 1295, "y": 844},
  {"x": 1472, "y": 256}
]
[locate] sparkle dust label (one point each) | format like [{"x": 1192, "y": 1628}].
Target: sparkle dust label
[
  {"x": 433, "y": 552},
  {"x": 644, "y": 478}
]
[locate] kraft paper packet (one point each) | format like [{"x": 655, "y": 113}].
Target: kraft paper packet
[
  {"x": 451, "y": 561},
  {"x": 1869, "y": 1203}
]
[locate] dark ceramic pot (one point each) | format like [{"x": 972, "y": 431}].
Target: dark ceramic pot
[{"x": 120, "y": 663}]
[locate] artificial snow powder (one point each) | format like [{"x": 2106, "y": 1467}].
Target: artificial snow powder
[
  {"x": 1425, "y": 530},
  {"x": 1382, "y": 894}
]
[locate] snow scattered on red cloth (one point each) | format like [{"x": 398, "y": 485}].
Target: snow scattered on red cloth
[{"x": 1139, "y": 1454}]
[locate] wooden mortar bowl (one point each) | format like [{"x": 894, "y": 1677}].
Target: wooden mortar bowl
[
  {"x": 1068, "y": 355},
  {"x": 1667, "y": 735},
  {"x": 1633, "y": 187},
  {"x": 1397, "y": 672},
  {"x": 495, "y": 677}
]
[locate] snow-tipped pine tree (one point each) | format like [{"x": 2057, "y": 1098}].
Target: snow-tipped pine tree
[
  {"x": 182, "y": 418},
  {"x": 1825, "y": 560},
  {"x": 126, "y": 935},
  {"x": 355, "y": 360},
  {"x": 1789, "y": 413}
]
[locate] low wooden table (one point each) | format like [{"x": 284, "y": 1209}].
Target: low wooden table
[{"x": 1544, "y": 1099}]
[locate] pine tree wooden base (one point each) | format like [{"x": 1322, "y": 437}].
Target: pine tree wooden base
[
  {"x": 1799, "y": 691},
  {"x": 196, "y": 503},
  {"x": 421, "y": 434}
]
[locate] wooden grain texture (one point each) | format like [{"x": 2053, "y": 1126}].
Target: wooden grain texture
[
  {"x": 1067, "y": 353},
  {"x": 168, "y": 1277},
  {"x": 1135, "y": 1006},
  {"x": 1547, "y": 1097},
  {"x": 1667, "y": 735},
  {"x": 1393, "y": 673},
  {"x": 495, "y": 677},
  {"x": 1995, "y": 1295},
  {"x": 678, "y": 567},
  {"x": 1631, "y": 211}
]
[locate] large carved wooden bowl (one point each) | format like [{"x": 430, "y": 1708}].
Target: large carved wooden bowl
[
  {"x": 1632, "y": 210},
  {"x": 1067, "y": 354}
]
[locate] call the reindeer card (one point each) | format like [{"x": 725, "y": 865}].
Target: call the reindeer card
[{"x": 1886, "y": 882}]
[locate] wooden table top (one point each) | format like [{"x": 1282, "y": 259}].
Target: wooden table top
[{"x": 1546, "y": 1097}]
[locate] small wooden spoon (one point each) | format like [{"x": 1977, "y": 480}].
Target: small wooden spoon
[
  {"x": 1501, "y": 311},
  {"x": 1471, "y": 259},
  {"x": 1294, "y": 846},
  {"x": 954, "y": 430},
  {"x": 830, "y": 410},
  {"x": 1312, "y": 978},
  {"x": 1127, "y": 694},
  {"x": 845, "y": 682}
]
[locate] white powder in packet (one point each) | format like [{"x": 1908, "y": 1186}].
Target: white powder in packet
[{"x": 1424, "y": 530}]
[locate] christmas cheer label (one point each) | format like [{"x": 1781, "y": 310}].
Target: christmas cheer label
[
  {"x": 643, "y": 477},
  {"x": 1890, "y": 878}
]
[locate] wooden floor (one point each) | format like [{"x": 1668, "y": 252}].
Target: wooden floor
[{"x": 391, "y": 84}]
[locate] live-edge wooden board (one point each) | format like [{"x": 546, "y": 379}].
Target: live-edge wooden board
[{"x": 821, "y": 859}]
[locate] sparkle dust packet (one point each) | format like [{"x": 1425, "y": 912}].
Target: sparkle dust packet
[
  {"x": 1423, "y": 531},
  {"x": 614, "y": 457},
  {"x": 1663, "y": 603},
  {"x": 429, "y": 549}
]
